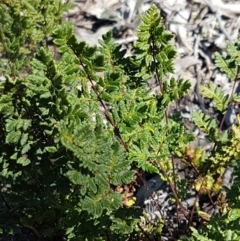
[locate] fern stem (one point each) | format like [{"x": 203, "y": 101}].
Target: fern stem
[
  {"x": 194, "y": 204},
  {"x": 157, "y": 72},
  {"x": 153, "y": 47},
  {"x": 106, "y": 112},
  {"x": 175, "y": 188},
  {"x": 174, "y": 192}
]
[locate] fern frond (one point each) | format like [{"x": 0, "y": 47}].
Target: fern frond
[
  {"x": 206, "y": 124},
  {"x": 97, "y": 204},
  {"x": 227, "y": 66},
  {"x": 230, "y": 63},
  {"x": 233, "y": 51},
  {"x": 152, "y": 49},
  {"x": 220, "y": 100}
]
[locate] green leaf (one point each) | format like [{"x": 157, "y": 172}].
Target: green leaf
[
  {"x": 59, "y": 41},
  {"x": 26, "y": 124},
  {"x": 45, "y": 95},
  {"x": 75, "y": 177},
  {"x": 233, "y": 52},
  {"x": 14, "y": 156},
  {"x": 25, "y": 149},
  {"x": 24, "y": 139},
  {"x": 93, "y": 206},
  {"x": 24, "y": 161},
  {"x": 83, "y": 189},
  {"x": 92, "y": 185},
  {"x": 206, "y": 124},
  {"x": 225, "y": 66},
  {"x": 217, "y": 95},
  {"x": 10, "y": 126},
  {"x": 13, "y": 137},
  {"x": 51, "y": 149}
]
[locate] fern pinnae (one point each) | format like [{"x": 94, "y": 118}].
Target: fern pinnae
[{"x": 217, "y": 95}]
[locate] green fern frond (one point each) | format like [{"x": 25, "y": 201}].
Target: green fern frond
[
  {"x": 152, "y": 49},
  {"x": 230, "y": 63},
  {"x": 220, "y": 100},
  {"x": 233, "y": 51},
  {"x": 226, "y": 65},
  {"x": 206, "y": 124},
  {"x": 173, "y": 91}
]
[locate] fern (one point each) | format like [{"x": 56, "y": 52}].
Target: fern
[
  {"x": 84, "y": 121},
  {"x": 206, "y": 124},
  {"x": 216, "y": 94},
  {"x": 224, "y": 155},
  {"x": 76, "y": 129},
  {"x": 230, "y": 63},
  {"x": 226, "y": 65}
]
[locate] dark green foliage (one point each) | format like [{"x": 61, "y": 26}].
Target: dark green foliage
[
  {"x": 24, "y": 26},
  {"x": 76, "y": 127},
  {"x": 153, "y": 51}
]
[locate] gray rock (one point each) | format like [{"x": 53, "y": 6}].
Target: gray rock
[
  {"x": 153, "y": 185},
  {"x": 230, "y": 117}
]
